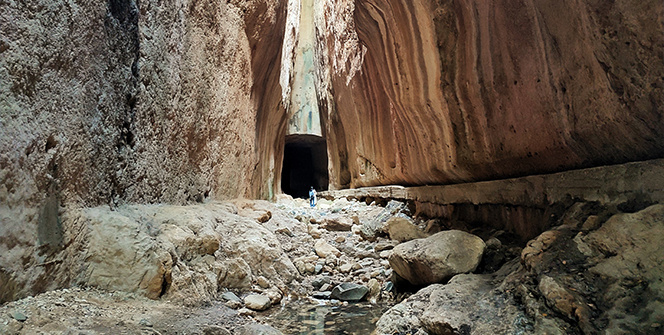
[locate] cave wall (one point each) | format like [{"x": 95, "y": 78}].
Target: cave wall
[
  {"x": 126, "y": 102},
  {"x": 434, "y": 92}
]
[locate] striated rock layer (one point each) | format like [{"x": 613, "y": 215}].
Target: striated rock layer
[
  {"x": 430, "y": 92},
  {"x": 120, "y": 101}
]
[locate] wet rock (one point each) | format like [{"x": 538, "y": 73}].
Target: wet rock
[
  {"x": 438, "y": 257},
  {"x": 349, "y": 292},
  {"x": 320, "y": 281},
  {"x": 403, "y": 229},
  {"x": 257, "y": 302},
  {"x": 322, "y": 295},
  {"x": 324, "y": 249}
]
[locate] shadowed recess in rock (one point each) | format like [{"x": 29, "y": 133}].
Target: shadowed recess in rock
[{"x": 305, "y": 165}]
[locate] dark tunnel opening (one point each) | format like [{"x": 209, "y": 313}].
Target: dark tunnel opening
[{"x": 305, "y": 165}]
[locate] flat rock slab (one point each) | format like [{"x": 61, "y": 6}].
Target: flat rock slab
[
  {"x": 349, "y": 292},
  {"x": 438, "y": 257}
]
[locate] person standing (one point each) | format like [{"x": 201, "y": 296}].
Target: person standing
[{"x": 312, "y": 197}]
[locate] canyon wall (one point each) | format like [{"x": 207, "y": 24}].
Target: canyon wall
[
  {"x": 434, "y": 92},
  {"x": 125, "y": 102}
]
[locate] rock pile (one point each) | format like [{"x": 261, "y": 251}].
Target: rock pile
[{"x": 595, "y": 273}]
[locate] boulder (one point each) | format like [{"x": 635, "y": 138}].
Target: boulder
[
  {"x": 437, "y": 258},
  {"x": 336, "y": 222},
  {"x": 372, "y": 226},
  {"x": 324, "y": 249},
  {"x": 402, "y": 229},
  {"x": 468, "y": 304},
  {"x": 257, "y": 302},
  {"x": 349, "y": 292}
]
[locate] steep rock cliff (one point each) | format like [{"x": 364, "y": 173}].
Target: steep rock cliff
[
  {"x": 120, "y": 101},
  {"x": 431, "y": 92}
]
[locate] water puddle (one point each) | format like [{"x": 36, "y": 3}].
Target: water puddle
[{"x": 304, "y": 318}]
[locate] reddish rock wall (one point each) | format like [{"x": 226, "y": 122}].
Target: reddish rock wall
[{"x": 429, "y": 92}]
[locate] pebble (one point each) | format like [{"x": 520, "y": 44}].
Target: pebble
[
  {"x": 345, "y": 268},
  {"x": 262, "y": 282},
  {"x": 145, "y": 322},
  {"x": 230, "y": 296},
  {"x": 18, "y": 316},
  {"x": 246, "y": 312}
]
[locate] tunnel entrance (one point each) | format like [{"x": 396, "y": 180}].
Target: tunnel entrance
[{"x": 305, "y": 165}]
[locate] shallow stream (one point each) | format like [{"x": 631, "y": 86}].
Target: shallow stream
[{"x": 304, "y": 318}]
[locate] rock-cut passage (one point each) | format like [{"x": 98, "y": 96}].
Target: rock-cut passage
[{"x": 305, "y": 165}]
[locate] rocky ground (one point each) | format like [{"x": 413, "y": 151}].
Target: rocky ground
[
  {"x": 255, "y": 267},
  {"x": 226, "y": 262}
]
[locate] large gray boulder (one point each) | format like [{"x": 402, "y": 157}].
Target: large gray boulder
[{"x": 438, "y": 257}]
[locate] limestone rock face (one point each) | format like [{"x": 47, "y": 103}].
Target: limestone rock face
[
  {"x": 599, "y": 274},
  {"x": 437, "y": 257},
  {"x": 430, "y": 92},
  {"x": 186, "y": 254},
  {"x": 127, "y": 101}
]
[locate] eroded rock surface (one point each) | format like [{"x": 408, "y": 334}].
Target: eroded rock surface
[
  {"x": 467, "y": 304},
  {"x": 124, "y": 101},
  {"x": 438, "y": 257},
  {"x": 430, "y": 92}
]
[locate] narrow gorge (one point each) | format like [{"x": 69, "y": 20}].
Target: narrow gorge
[{"x": 481, "y": 167}]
